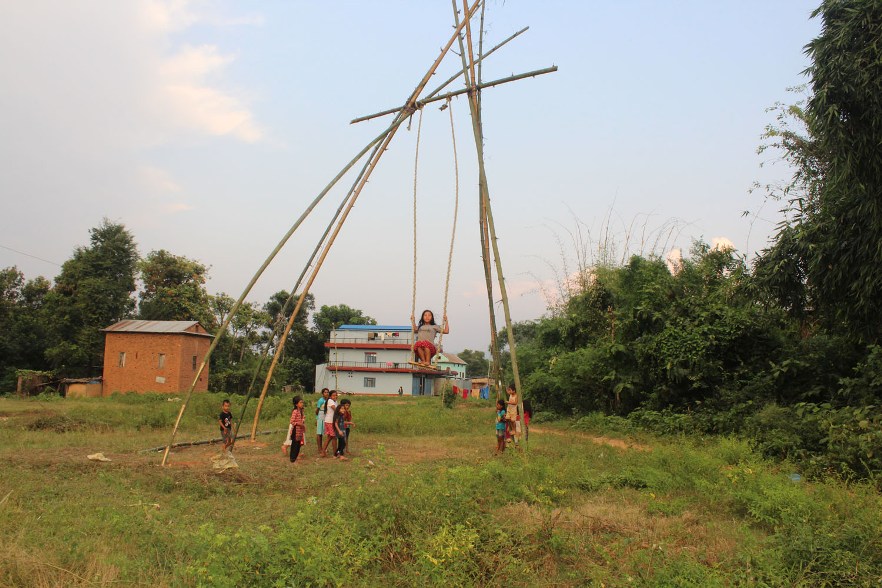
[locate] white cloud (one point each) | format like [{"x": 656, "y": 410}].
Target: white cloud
[
  {"x": 95, "y": 77},
  {"x": 167, "y": 15},
  {"x": 674, "y": 260},
  {"x": 722, "y": 244},
  {"x": 91, "y": 93},
  {"x": 157, "y": 180}
]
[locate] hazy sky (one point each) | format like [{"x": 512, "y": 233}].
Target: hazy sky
[{"x": 207, "y": 127}]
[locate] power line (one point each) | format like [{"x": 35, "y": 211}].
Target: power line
[{"x": 29, "y": 255}]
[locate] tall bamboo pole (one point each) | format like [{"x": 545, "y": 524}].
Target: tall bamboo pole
[
  {"x": 482, "y": 226},
  {"x": 479, "y": 144},
  {"x": 235, "y": 308},
  {"x": 309, "y": 264},
  {"x": 279, "y": 328},
  {"x": 431, "y": 96},
  {"x": 405, "y": 112}
]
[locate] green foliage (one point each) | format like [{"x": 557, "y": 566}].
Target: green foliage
[
  {"x": 24, "y": 325},
  {"x": 448, "y": 398},
  {"x": 865, "y": 387},
  {"x": 691, "y": 352},
  {"x": 822, "y": 439},
  {"x": 477, "y": 365},
  {"x": 826, "y": 256},
  {"x": 330, "y": 317},
  {"x": 173, "y": 289},
  {"x": 810, "y": 541},
  {"x": 640, "y": 335},
  {"x": 93, "y": 291}
]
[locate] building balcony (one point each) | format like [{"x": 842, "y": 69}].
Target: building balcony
[
  {"x": 362, "y": 343},
  {"x": 381, "y": 366}
]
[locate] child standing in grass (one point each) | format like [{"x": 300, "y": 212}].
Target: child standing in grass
[
  {"x": 340, "y": 429},
  {"x": 226, "y": 425},
  {"x": 287, "y": 444},
  {"x": 329, "y": 410},
  {"x": 349, "y": 422},
  {"x": 298, "y": 426},
  {"x": 320, "y": 418},
  {"x": 500, "y": 427},
  {"x": 511, "y": 413}
]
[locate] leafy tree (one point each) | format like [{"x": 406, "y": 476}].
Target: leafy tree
[
  {"x": 304, "y": 348},
  {"x": 23, "y": 323},
  {"x": 641, "y": 336},
  {"x": 220, "y": 306},
  {"x": 274, "y": 306},
  {"x": 93, "y": 290},
  {"x": 174, "y": 289},
  {"x": 329, "y": 318},
  {"x": 246, "y": 326},
  {"x": 828, "y": 253},
  {"x": 476, "y": 364}
]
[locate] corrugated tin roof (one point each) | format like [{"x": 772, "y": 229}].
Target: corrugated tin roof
[
  {"x": 451, "y": 358},
  {"x": 377, "y": 328},
  {"x": 133, "y": 326}
]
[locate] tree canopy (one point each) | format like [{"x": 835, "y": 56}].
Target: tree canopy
[
  {"x": 826, "y": 256},
  {"x": 173, "y": 289},
  {"x": 93, "y": 291}
]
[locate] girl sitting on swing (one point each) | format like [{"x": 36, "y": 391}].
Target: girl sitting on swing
[{"x": 424, "y": 348}]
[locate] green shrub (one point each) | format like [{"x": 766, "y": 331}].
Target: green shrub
[{"x": 817, "y": 538}]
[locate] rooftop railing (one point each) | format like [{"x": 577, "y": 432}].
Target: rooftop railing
[{"x": 405, "y": 340}]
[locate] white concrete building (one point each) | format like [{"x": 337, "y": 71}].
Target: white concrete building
[{"x": 375, "y": 359}]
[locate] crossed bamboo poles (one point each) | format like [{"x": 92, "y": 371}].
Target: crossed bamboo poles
[{"x": 377, "y": 147}]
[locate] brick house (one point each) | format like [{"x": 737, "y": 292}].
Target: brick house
[{"x": 154, "y": 356}]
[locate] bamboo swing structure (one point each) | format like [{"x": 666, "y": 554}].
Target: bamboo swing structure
[{"x": 471, "y": 72}]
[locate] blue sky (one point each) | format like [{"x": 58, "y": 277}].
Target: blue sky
[{"x": 206, "y": 128}]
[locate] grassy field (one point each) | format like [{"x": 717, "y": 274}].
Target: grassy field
[{"x": 423, "y": 501}]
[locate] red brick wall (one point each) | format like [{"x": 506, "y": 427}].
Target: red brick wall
[{"x": 142, "y": 373}]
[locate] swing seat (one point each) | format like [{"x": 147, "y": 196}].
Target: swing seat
[{"x": 425, "y": 366}]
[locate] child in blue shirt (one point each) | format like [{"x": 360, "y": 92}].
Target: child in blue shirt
[{"x": 500, "y": 427}]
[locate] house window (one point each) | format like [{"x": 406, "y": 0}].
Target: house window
[
  {"x": 122, "y": 359},
  {"x": 161, "y": 361},
  {"x": 370, "y": 382},
  {"x": 370, "y": 357},
  {"x": 194, "y": 364}
]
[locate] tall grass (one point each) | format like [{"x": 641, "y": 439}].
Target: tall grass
[{"x": 423, "y": 502}]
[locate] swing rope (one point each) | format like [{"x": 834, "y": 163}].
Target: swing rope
[
  {"x": 416, "y": 162},
  {"x": 453, "y": 232}
]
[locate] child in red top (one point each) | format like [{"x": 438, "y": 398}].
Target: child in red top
[{"x": 298, "y": 428}]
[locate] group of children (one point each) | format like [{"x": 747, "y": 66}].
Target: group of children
[
  {"x": 508, "y": 420},
  {"x": 333, "y": 424}
]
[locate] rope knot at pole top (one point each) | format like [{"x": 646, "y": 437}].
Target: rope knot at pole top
[{"x": 410, "y": 110}]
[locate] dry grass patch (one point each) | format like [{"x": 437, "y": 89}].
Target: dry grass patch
[{"x": 20, "y": 566}]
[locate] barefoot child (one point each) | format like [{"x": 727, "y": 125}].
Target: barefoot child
[
  {"x": 500, "y": 427},
  {"x": 226, "y": 425},
  {"x": 425, "y": 333}
]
